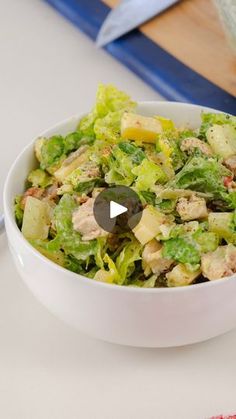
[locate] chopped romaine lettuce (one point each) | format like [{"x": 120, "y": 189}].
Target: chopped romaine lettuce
[
  {"x": 19, "y": 213},
  {"x": 148, "y": 174},
  {"x": 120, "y": 165},
  {"x": 108, "y": 128},
  {"x": 111, "y": 275},
  {"x": 85, "y": 178},
  {"x": 109, "y": 100},
  {"x": 52, "y": 151},
  {"x": 40, "y": 178},
  {"x": 182, "y": 250},
  {"x": 125, "y": 262},
  {"x": 202, "y": 174},
  {"x": 76, "y": 139},
  {"x": 136, "y": 153},
  {"x": 148, "y": 197},
  {"x": 72, "y": 141},
  {"x": 207, "y": 240}
]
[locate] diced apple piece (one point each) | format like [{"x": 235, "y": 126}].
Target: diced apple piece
[
  {"x": 69, "y": 165},
  {"x": 220, "y": 223},
  {"x": 140, "y": 128},
  {"x": 36, "y": 220},
  {"x": 180, "y": 276},
  {"x": 222, "y": 139},
  {"x": 149, "y": 225}
]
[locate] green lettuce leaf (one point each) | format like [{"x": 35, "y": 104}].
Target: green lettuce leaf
[
  {"x": 109, "y": 100},
  {"x": 108, "y": 274},
  {"x": 207, "y": 240},
  {"x": 120, "y": 168},
  {"x": 52, "y": 151},
  {"x": 108, "y": 128},
  {"x": 74, "y": 140},
  {"x": 19, "y": 213},
  {"x": 187, "y": 133},
  {"x": 202, "y": 174},
  {"x": 167, "y": 206},
  {"x": 168, "y": 144},
  {"x": 136, "y": 153},
  {"x": 182, "y": 250},
  {"x": 148, "y": 174},
  {"x": 101, "y": 251},
  {"x": 85, "y": 178},
  {"x": 125, "y": 261},
  {"x": 39, "y": 178},
  {"x": 148, "y": 197}
]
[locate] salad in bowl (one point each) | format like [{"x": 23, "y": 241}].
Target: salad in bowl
[{"x": 183, "y": 177}]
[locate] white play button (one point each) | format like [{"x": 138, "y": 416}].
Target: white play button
[{"x": 116, "y": 209}]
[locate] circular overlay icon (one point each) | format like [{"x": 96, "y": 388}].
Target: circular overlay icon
[{"x": 117, "y": 209}]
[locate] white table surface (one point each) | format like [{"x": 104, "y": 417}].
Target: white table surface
[{"x": 48, "y": 71}]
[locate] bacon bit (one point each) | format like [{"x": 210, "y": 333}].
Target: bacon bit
[
  {"x": 227, "y": 181},
  {"x": 35, "y": 192},
  {"x": 106, "y": 151}
]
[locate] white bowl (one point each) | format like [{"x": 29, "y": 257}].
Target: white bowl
[{"x": 125, "y": 315}]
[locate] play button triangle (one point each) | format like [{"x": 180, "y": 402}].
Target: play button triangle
[{"x": 116, "y": 209}]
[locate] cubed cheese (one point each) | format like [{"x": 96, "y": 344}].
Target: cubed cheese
[{"x": 140, "y": 128}]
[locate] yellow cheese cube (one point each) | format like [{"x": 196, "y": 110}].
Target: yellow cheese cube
[{"x": 140, "y": 128}]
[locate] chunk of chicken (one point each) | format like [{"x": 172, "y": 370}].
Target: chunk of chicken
[
  {"x": 84, "y": 222},
  {"x": 220, "y": 263},
  {"x": 230, "y": 163},
  {"x": 153, "y": 260},
  {"x": 192, "y": 209},
  {"x": 189, "y": 144}
]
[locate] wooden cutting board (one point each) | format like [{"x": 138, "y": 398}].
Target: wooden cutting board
[
  {"x": 191, "y": 31},
  {"x": 182, "y": 53}
]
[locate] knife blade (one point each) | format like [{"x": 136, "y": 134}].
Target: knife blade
[{"x": 128, "y": 15}]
